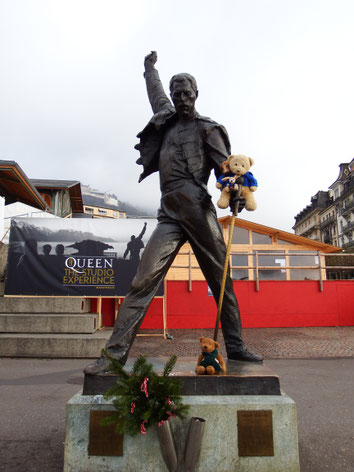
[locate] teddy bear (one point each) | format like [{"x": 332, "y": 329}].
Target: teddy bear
[
  {"x": 237, "y": 166},
  {"x": 210, "y": 361}
]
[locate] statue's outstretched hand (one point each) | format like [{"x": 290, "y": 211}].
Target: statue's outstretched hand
[{"x": 150, "y": 60}]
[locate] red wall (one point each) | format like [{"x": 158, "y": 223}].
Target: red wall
[{"x": 276, "y": 304}]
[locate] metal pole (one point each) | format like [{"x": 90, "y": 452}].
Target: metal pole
[
  {"x": 257, "y": 273},
  {"x": 320, "y": 269},
  {"x": 189, "y": 271},
  {"x": 226, "y": 265},
  {"x": 164, "y": 309}
]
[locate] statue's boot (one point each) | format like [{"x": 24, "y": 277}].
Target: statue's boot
[
  {"x": 244, "y": 356},
  {"x": 100, "y": 366}
]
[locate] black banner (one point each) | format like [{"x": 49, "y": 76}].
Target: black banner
[{"x": 77, "y": 257}]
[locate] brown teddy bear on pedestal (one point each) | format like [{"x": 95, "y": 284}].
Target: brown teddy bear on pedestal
[{"x": 210, "y": 361}]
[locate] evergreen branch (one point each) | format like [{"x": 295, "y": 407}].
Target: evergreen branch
[
  {"x": 115, "y": 366},
  {"x": 112, "y": 419},
  {"x": 169, "y": 365}
]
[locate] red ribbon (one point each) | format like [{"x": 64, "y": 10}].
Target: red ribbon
[
  {"x": 142, "y": 427},
  {"x": 143, "y": 387},
  {"x": 132, "y": 408}
]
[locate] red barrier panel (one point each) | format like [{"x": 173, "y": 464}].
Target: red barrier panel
[{"x": 276, "y": 304}]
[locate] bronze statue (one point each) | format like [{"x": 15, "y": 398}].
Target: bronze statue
[{"x": 184, "y": 147}]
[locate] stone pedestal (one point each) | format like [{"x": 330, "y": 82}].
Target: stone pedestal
[
  {"x": 219, "y": 450},
  {"x": 241, "y": 378}
]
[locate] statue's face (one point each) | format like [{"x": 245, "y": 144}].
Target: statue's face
[{"x": 184, "y": 97}]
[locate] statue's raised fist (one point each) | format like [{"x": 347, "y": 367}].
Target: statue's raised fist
[{"x": 150, "y": 60}]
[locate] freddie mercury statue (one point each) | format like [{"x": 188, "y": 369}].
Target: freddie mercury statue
[{"x": 183, "y": 147}]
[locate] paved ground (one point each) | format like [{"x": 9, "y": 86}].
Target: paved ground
[
  {"x": 272, "y": 343},
  {"x": 315, "y": 366}
]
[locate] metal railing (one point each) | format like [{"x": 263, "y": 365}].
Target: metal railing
[
  {"x": 257, "y": 267},
  {"x": 347, "y": 208},
  {"x": 348, "y": 227},
  {"x": 327, "y": 221}
]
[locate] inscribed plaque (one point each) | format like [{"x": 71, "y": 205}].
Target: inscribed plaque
[
  {"x": 255, "y": 433},
  {"x": 103, "y": 440}
]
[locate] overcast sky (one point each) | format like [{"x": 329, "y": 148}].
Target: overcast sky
[{"x": 278, "y": 74}]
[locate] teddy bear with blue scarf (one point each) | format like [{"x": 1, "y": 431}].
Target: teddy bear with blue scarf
[
  {"x": 237, "y": 166},
  {"x": 210, "y": 361}
]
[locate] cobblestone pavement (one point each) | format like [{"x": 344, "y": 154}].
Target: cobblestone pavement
[{"x": 272, "y": 343}]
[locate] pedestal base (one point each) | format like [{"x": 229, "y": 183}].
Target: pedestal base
[
  {"x": 241, "y": 378},
  {"x": 219, "y": 445}
]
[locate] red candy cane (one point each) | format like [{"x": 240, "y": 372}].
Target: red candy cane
[{"x": 143, "y": 387}]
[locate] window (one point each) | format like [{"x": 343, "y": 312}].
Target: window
[
  {"x": 310, "y": 259},
  {"x": 102, "y": 212},
  {"x": 88, "y": 210},
  {"x": 282, "y": 241},
  {"x": 240, "y": 260},
  {"x": 259, "y": 238},
  {"x": 276, "y": 259},
  {"x": 240, "y": 236}
]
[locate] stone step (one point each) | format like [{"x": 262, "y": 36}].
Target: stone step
[
  {"x": 44, "y": 305},
  {"x": 53, "y": 346},
  {"x": 48, "y": 323}
]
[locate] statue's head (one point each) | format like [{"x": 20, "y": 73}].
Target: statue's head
[{"x": 184, "y": 92}]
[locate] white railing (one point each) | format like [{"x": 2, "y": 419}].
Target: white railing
[{"x": 257, "y": 267}]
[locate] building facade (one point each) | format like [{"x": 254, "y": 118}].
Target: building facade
[
  {"x": 101, "y": 205},
  {"x": 330, "y": 216},
  {"x": 260, "y": 253},
  {"x": 343, "y": 199},
  {"x": 307, "y": 222}
]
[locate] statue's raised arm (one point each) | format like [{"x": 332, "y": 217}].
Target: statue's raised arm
[{"x": 157, "y": 97}]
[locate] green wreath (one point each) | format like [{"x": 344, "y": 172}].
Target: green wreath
[{"x": 143, "y": 398}]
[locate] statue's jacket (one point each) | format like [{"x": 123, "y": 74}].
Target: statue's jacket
[{"x": 208, "y": 149}]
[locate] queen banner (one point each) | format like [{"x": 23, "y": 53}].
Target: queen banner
[{"x": 75, "y": 257}]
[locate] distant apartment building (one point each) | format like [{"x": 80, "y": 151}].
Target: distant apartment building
[
  {"x": 343, "y": 198},
  {"x": 330, "y": 216},
  {"x": 307, "y": 222},
  {"x": 100, "y": 204}
]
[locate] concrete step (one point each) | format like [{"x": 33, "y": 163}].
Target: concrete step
[
  {"x": 44, "y": 305},
  {"x": 48, "y": 323},
  {"x": 53, "y": 346}
]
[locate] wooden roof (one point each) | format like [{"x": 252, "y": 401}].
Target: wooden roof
[
  {"x": 280, "y": 234},
  {"x": 73, "y": 186},
  {"x": 16, "y": 187}
]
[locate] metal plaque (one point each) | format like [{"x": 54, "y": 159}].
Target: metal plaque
[
  {"x": 255, "y": 433},
  {"x": 103, "y": 440}
]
